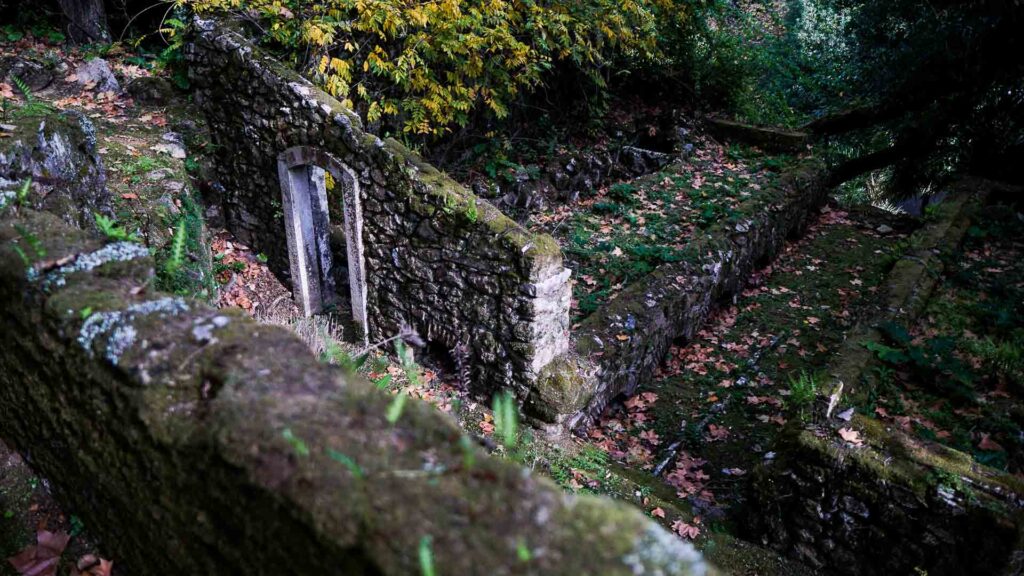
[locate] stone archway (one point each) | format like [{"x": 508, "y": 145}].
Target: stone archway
[{"x": 302, "y": 171}]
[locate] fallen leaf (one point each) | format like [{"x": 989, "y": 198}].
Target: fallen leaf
[
  {"x": 42, "y": 558},
  {"x": 852, "y": 436},
  {"x": 988, "y": 443},
  {"x": 685, "y": 530},
  {"x": 658, "y": 513}
]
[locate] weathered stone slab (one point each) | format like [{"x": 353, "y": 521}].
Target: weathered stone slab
[{"x": 194, "y": 441}]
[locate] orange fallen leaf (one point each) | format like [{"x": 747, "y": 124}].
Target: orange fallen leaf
[
  {"x": 685, "y": 530},
  {"x": 989, "y": 444},
  {"x": 42, "y": 558},
  {"x": 852, "y": 436}
]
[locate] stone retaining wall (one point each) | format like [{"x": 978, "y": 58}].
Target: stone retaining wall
[
  {"x": 435, "y": 257},
  {"x": 621, "y": 344},
  {"x": 896, "y": 505},
  {"x": 194, "y": 441}
]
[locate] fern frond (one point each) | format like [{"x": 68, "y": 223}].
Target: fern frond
[
  {"x": 177, "y": 254},
  {"x": 23, "y": 88}
]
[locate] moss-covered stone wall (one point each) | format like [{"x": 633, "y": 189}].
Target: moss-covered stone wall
[
  {"x": 436, "y": 257},
  {"x": 890, "y": 503},
  {"x": 622, "y": 343},
  {"x": 194, "y": 441},
  {"x": 55, "y": 152}
]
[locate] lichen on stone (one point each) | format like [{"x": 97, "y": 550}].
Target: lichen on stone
[
  {"x": 657, "y": 552},
  {"x": 117, "y": 323},
  {"x": 5, "y": 198},
  {"x": 116, "y": 252}
]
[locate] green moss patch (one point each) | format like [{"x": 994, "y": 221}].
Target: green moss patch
[
  {"x": 956, "y": 376},
  {"x": 728, "y": 393},
  {"x": 628, "y": 229}
]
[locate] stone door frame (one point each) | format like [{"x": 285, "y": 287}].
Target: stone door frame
[{"x": 301, "y": 170}]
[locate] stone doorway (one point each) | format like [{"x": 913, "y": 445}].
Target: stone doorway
[{"x": 317, "y": 275}]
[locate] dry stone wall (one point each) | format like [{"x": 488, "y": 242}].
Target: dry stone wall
[
  {"x": 435, "y": 257},
  {"x": 896, "y": 504}
]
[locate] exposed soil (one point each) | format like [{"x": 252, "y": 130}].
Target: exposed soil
[{"x": 27, "y": 506}]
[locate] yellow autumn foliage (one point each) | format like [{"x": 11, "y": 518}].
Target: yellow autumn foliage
[{"x": 428, "y": 65}]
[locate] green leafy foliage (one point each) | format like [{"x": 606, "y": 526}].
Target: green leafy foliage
[
  {"x": 934, "y": 359},
  {"x": 109, "y": 228},
  {"x": 802, "y": 389},
  {"x": 297, "y": 444},
  {"x": 177, "y": 251},
  {"x": 506, "y": 419}
]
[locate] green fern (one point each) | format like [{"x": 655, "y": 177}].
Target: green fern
[
  {"x": 23, "y": 88},
  {"x": 23, "y": 190},
  {"x": 176, "y": 257},
  {"x": 111, "y": 230}
]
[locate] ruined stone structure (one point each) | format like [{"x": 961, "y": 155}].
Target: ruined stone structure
[
  {"x": 622, "y": 343},
  {"x": 195, "y": 441},
  {"x": 412, "y": 246},
  {"x": 56, "y": 153},
  {"x": 840, "y": 509}
]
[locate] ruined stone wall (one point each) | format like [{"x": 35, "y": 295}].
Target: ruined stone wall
[
  {"x": 896, "y": 504},
  {"x": 864, "y": 511},
  {"x": 195, "y": 441},
  {"x": 56, "y": 152},
  {"x": 622, "y": 343},
  {"x": 436, "y": 257}
]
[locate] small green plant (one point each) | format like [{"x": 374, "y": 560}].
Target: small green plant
[
  {"x": 23, "y": 192},
  {"x": 623, "y": 192},
  {"x": 523, "y": 551},
  {"x": 933, "y": 361},
  {"x": 426, "y": 555},
  {"x": 472, "y": 212},
  {"x": 31, "y": 107},
  {"x": 109, "y": 228},
  {"x": 506, "y": 419},
  {"x": 34, "y": 244},
  {"x": 802, "y": 389},
  {"x": 10, "y": 33},
  {"x": 298, "y": 444},
  {"x": 176, "y": 257},
  {"x": 26, "y": 92},
  {"x": 468, "y": 455},
  {"x": 396, "y": 407},
  {"x": 347, "y": 462}
]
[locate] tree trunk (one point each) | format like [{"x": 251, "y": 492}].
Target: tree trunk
[{"x": 86, "y": 21}]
